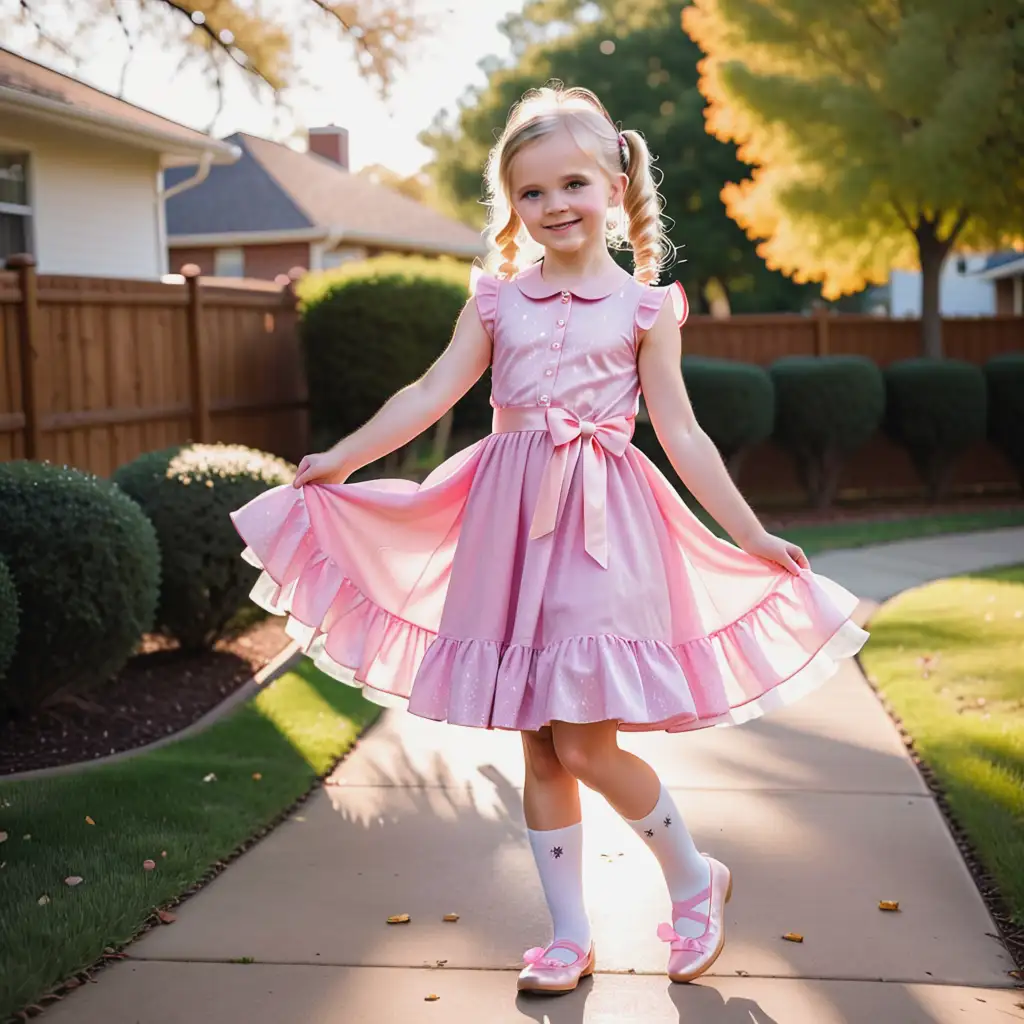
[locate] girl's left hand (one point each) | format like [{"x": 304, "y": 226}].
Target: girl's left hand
[{"x": 774, "y": 549}]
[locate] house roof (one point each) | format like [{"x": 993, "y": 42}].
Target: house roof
[
  {"x": 274, "y": 193},
  {"x": 1008, "y": 263},
  {"x": 30, "y": 89}
]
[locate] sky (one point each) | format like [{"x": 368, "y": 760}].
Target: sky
[{"x": 439, "y": 70}]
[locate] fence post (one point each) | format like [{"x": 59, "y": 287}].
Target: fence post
[
  {"x": 821, "y": 331},
  {"x": 24, "y": 265},
  {"x": 199, "y": 392}
]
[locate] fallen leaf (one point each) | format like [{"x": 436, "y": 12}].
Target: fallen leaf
[
  {"x": 166, "y": 916},
  {"x": 743, "y": 974},
  {"x": 450, "y": 917},
  {"x": 149, "y": 865},
  {"x": 74, "y": 880},
  {"x": 432, "y": 998},
  {"x": 257, "y": 776},
  {"x": 888, "y": 904},
  {"x": 3, "y": 837},
  {"x": 441, "y": 963},
  {"x": 210, "y": 778},
  {"x": 793, "y": 937},
  {"x": 89, "y": 820},
  {"x": 43, "y": 900},
  {"x": 399, "y": 919}
]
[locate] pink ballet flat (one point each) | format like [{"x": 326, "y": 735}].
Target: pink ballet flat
[
  {"x": 545, "y": 974},
  {"x": 690, "y": 958}
]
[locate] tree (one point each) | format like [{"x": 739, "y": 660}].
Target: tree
[
  {"x": 881, "y": 132},
  {"x": 634, "y": 57},
  {"x": 232, "y": 34}
]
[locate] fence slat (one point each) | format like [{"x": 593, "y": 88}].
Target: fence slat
[{"x": 28, "y": 318}]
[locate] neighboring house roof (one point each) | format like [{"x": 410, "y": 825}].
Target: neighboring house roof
[
  {"x": 30, "y": 89},
  {"x": 1009, "y": 263},
  {"x": 274, "y": 193}
]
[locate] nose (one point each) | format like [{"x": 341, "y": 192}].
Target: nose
[{"x": 555, "y": 202}]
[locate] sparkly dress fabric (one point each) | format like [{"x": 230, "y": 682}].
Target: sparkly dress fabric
[{"x": 549, "y": 571}]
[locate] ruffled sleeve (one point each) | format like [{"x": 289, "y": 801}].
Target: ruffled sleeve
[
  {"x": 654, "y": 298},
  {"x": 484, "y": 289}
]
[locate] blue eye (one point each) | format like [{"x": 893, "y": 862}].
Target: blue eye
[
  {"x": 576, "y": 184},
  {"x": 530, "y": 193}
]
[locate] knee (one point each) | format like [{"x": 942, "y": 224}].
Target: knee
[
  {"x": 579, "y": 757},
  {"x": 541, "y": 759}
]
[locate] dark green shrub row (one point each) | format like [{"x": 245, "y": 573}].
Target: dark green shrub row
[
  {"x": 86, "y": 568},
  {"x": 9, "y": 614},
  {"x": 97, "y": 563},
  {"x": 188, "y": 493},
  {"x": 822, "y": 409}
]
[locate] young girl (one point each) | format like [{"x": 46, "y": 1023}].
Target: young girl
[{"x": 548, "y": 579}]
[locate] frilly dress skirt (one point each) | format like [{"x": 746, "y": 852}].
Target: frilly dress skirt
[{"x": 548, "y": 571}]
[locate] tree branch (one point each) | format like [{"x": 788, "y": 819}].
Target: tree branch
[
  {"x": 904, "y": 217},
  {"x": 962, "y": 218}
]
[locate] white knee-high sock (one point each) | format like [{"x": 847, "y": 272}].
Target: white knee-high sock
[
  {"x": 686, "y": 871},
  {"x": 559, "y": 856}
]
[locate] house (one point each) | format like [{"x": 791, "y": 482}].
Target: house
[
  {"x": 81, "y": 186},
  {"x": 276, "y": 209},
  {"x": 976, "y": 284}
]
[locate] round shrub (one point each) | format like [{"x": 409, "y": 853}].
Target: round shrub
[
  {"x": 8, "y": 617},
  {"x": 825, "y": 408},
  {"x": 1005, "y": 378},
  {"x": 734, "y": 403},
  {"x": 188, "y": 493},
  {"x": 936, "y": 409},
  {"x": 370, "y": 328},
  {"x": 86, "y": 566}
]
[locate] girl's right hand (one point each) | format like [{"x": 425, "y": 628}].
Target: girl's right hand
[{"x": 320, "y": 468}]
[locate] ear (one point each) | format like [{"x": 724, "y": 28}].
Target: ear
[{"x": 618, "y": 190}]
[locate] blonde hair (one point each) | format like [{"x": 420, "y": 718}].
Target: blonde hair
[{"x": 541, "y": 112}]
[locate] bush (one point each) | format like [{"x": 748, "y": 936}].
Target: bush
[
  {"x": 370, "y": 328},
  {"x": 936, "y": 409},
  {"x": 188, "y": 492},
  {"x": 825, "y": 408},
  {"x": 8, "y": 617},
  {"x": 1005, "y": 378},
  {"x": 734, "y": 403},
  {"x": 86, "y": 566}
]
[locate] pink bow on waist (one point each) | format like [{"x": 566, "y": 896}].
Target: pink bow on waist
[
  {"x": 569, "y": 434},
  {"x": 680, "y": 942}
]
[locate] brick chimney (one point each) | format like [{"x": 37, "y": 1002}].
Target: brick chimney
[{"x": 330, "y": 142}]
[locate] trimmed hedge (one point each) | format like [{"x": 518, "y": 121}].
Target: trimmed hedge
[
  {"x": 86, "y": 566},
  {"x": 9, "y": 613},
  {"x": 1005, "y": 378},
  {"x": 936, "y": 409},
  {"x": 370, "y": 328},
  {"x": 826, "y": 408},
  {"x": 734, "y": 403},
  {"x": 188, "y": 492}
]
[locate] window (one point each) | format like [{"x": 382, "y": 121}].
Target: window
[
  {"x": 343, "y": 254},
  {"x": 228, "y": 263},
  {"x": 15, "y": 212}
]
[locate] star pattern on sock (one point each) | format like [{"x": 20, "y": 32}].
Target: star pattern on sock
[
  {"x": 668, "y": 821},
  {"x": 649, "y": 832},
  {"x": 556, "y": 852}
]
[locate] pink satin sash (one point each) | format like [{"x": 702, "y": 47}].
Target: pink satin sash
[{"x": 572, "y": 437}]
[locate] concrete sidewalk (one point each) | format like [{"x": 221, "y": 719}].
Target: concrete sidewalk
[{"x": 817, "y": 809}]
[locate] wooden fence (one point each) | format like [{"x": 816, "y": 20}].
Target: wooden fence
[{"x": 94, "y": 372}]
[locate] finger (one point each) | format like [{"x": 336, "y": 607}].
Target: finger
[
  {"x": 801, "y": 558},
  {"x": 787, "y": 563}
]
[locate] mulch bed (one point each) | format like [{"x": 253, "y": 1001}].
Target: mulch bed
[
  {"x": 883, "y": 511},
  {"x": 160, "y": 691}
]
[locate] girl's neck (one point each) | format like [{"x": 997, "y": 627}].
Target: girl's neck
[{"x": 557, "y": 267}]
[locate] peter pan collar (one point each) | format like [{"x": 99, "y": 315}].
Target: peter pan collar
[{"x": 533, "y": 285}]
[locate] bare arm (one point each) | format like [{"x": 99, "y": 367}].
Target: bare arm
[
  {"x": 691, "y": 452},
  {"x": 408, "y": 412}
]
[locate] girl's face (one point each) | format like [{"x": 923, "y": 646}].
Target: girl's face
[{"x": 561, "y": 194}]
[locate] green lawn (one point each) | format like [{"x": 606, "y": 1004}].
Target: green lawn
[
  {"x": 290, "y": 733},
  {"x": 949, "y": 657}
]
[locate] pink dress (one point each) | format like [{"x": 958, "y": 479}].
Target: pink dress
[{"x": 549, "y": 571}]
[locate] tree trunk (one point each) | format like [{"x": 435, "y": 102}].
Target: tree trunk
[{"x": 932, "y": 254}]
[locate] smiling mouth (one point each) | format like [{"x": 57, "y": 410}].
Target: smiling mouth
[{"x": 564, "y": 226}]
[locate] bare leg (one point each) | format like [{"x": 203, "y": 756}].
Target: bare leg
[{"x": 551, "y": 795}]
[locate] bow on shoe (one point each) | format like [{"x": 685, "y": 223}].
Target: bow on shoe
[
  {"x": 680, "y": 942},
  {"x": 569, "y": 433},
  {"x": 534, "y": 957}
]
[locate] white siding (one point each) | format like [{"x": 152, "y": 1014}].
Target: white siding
[
  {"x": 960, "y": 294},
  {"x": 95, "y": 206}
]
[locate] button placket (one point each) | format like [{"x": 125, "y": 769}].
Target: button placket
[{"x": 551, "y": 368}]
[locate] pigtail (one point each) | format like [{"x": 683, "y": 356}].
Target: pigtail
[
  {"x": 642, "y": 205},
  {"x": 506, "y": 245}
]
